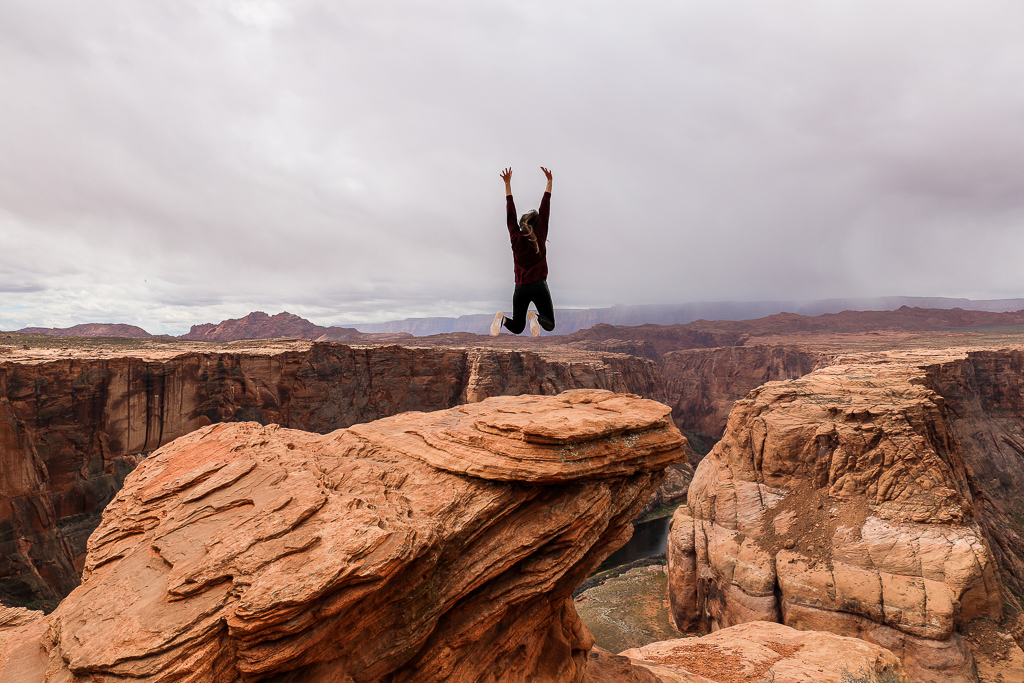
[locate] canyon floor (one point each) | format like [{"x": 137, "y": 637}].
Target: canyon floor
[{"x": 628, "y": 609}]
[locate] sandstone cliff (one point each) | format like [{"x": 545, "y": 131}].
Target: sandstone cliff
[
  {"x": 983, "y": 394},
  {"x": 71, "y": 430},
  {"x": 847, "y": 501},
  {"x": 702, "y": 384},
  {"x": 421, "y": 547}
]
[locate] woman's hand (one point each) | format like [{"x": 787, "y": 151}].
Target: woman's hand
[{"x": 548, "y": 174}]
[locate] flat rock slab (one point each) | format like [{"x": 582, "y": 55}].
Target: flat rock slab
[
  {"x": 579, "y": 434},
  {"x": 764, "y": 651}
]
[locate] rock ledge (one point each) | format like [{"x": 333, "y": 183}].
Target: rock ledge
[{"x": 422, "y": 547}]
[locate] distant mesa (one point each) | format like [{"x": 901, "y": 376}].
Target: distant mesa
[
  {"x": 91, "y": 330},
  {"x": 284, "y": 325},
  {"x": 664, "y": 328},
  {"x": 256, "y": 325},
  {"x": 259, "y": 325}
]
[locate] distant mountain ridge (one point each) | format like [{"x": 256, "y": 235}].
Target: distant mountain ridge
[
  {"x": 119, "y": 330},
  {"x": 574, "y": 319},
  {"x": 257, "y": 325},
  {"x": 724, "y": 317}
]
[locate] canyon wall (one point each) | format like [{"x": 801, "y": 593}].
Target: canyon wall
[
  {"x": 983, "y": 395},
  {"x": 703, "y": 384},
  {"x": 877, "y": 498},
  {"x": 71, "y": 430},
  {"x": 243, "y": 552}
]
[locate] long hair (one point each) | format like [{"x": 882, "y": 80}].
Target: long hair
[{"x": 526, "y": 223}]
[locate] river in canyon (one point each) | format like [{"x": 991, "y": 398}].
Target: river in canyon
[{"x": 648, "y": 540}]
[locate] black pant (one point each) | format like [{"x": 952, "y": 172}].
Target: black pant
[{"x": 538, "y": 293}]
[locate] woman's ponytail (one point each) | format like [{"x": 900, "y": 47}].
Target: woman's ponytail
[{"x": 526, "y": 223}]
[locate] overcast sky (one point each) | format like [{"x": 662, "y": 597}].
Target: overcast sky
[{"x": 165, "y": 162}]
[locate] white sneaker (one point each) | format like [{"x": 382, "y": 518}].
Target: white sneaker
[
  {"x": 499, "y": 318},
  {"x": 531, "y": 317}
]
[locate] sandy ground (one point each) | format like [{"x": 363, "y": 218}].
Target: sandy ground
[
  {"x": 998, "y": 657},
  {"x": 884, "y": 340},
  {"x": 38, "y": 348},
  {"x": 630, "y": 610}
]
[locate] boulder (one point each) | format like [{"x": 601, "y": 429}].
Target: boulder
[
  {"x": 423, "y": 547},
  {"x": 72, "y": 429},
  {"x": 763, "y": 651},
  {"x": 841, "y": 502}
]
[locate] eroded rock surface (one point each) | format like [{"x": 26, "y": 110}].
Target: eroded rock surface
[
  {"x": 703, "y": 384},
  {"x": 422, "y": 547},
  {"x": 72, "y": 429},
  {"x": 762, "y": 651},
  {"x": 984, "y": 399},
  {"x": 843, "y": 501}
]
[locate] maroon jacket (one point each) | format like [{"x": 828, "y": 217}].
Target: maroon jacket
[{"x": 529, "y": 265}]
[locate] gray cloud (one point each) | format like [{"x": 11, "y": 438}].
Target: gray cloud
[{"x": 166, "y": 163}]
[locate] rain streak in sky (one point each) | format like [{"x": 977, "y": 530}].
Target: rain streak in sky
[{"x": 165, "y": 163}]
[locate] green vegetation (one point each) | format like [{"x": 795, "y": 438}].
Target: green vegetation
[
  {"x": 43, "y": 605},
  {"x": 866, "y": 675},
  {"x": 701, "y": 443}
]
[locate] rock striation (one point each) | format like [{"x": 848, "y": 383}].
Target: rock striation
[
  {"x": 703, "y": 384},
  {"x": 763, "y": 651},
  {"x": 845, "y": 501},
  {"x": 983, "y": 394},
  {"x": 421, "y": 547},
  {"x": 71, "y": 430}
]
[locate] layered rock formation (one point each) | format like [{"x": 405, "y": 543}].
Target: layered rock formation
[
  {"x": 259, "y": 325},
  {"x": 983, "y": 394},
  {"x": 703, "y": 384},
  {"x": 762, "y": 651},
  {"x": 71, "y": 430},
  {"x": 421, "y": 547},
  {"x": 845, "y": 501}
]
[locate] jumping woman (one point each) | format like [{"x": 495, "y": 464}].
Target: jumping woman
[{"x": 529, "y": 236}]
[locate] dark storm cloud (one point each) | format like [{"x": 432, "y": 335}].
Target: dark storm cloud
[{"x": 165, "y": 163}]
